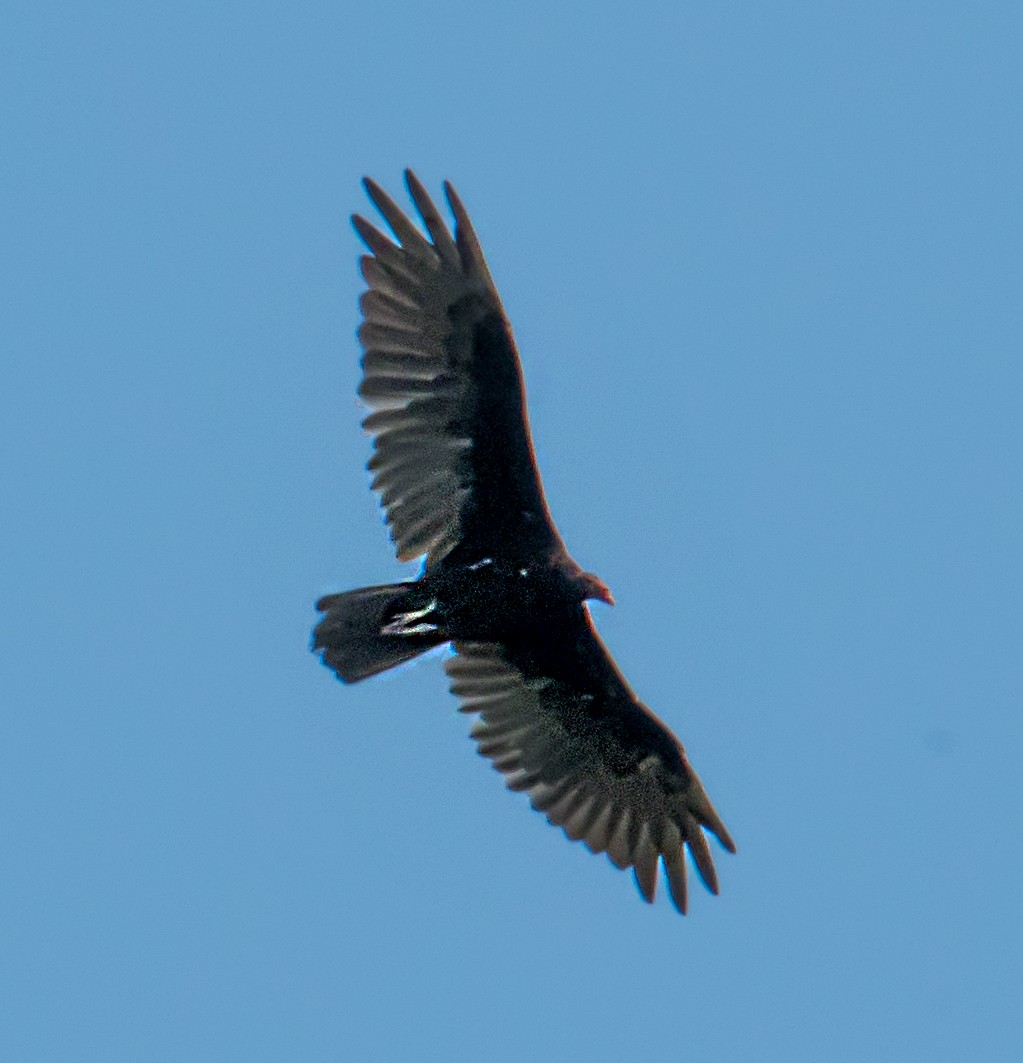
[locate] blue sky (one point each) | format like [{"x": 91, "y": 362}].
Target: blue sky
[{"x": 763, "y": 262}]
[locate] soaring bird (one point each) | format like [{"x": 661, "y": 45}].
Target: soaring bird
[{"x": 454, "y": 467}]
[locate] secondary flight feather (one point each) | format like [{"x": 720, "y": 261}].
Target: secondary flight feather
[{"x": 454, "y": 467}]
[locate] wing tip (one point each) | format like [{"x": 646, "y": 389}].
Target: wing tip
[
  {"x": 699, "y": 850},
  {"x": 646, "y": 884},
  {"x": 707, "y": 814}
]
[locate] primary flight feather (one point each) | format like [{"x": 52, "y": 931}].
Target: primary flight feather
[{"x": 454, "y": 466}]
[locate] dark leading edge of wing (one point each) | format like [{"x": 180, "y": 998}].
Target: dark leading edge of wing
[
  {"x": 453, "y": 460},
  {"x": 560, "y": 722}
]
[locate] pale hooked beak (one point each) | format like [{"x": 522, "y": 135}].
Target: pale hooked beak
[{"x": 597, "y": 589}]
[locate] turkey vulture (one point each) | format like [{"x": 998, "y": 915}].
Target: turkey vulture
[{"x": 455, "y": 470}]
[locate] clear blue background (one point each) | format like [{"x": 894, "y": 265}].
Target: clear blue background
[{"x": 764, "y": 263}]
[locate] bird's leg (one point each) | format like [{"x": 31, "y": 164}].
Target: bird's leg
[{"x": 412, "y": 622}]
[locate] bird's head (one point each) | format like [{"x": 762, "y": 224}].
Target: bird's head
[{"x": 594, "y": 587}]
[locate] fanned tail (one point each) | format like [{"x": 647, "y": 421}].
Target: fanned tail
[{"x": 358, "y": 636}]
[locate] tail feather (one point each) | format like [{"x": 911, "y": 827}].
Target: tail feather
[{"x": 352, "y": 636}]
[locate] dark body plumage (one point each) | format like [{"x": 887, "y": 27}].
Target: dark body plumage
[{"x": 457, "y": 477}]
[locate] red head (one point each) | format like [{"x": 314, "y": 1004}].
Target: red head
[{"x": 594, "y": 587}]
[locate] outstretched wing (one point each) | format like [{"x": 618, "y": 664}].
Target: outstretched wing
[
  {"x": 559, "y": 721},
  {"x": 452, "y": 461}
]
